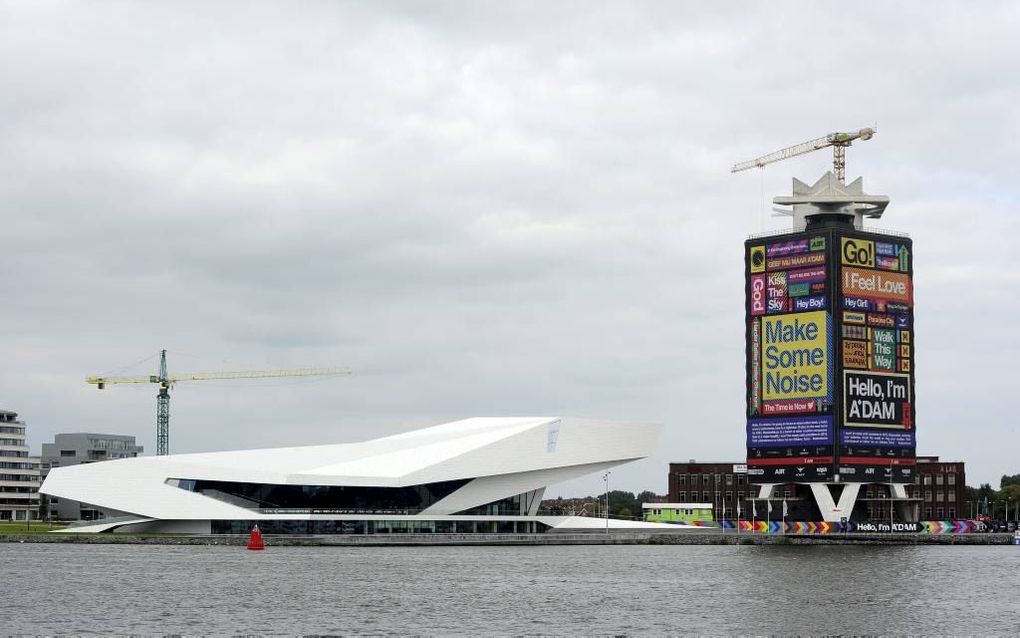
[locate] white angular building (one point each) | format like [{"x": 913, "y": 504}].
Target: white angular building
[{"x": 475, "y": 475}]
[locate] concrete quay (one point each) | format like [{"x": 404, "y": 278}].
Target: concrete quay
[{"x": 699, "y": 537}]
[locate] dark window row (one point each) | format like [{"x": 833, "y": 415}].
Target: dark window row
[
  {"x": 404, "y": 500},
  {"x": 380, "y": 527}
]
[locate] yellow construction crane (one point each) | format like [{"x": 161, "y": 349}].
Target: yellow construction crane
[
  {"x": 167, "y": 381},
  {"x": 838, "y": 142}
]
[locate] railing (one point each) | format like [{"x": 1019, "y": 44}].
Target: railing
[{"x": 800, "y": 228}]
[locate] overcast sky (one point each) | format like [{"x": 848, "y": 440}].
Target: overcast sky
[{"x": 484, "y": 208}]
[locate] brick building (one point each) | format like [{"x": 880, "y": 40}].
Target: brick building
[
  {"x": 938, "y": 493},
  {"x": 940, "y": 489},
  {"x": 724, "y": 485}
]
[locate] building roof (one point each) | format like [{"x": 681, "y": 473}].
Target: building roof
[{"x": 502, "y": 457}]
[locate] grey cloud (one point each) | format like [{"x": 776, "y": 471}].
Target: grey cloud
[{"x": 482, "y": 208}]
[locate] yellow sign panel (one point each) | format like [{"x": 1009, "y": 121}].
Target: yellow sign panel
[
  {"x": 858, "y": 252},
  {"x": 757, "y": 259},
  {"x": 854, "y": 317},
  {"x": 795, "y": 356}
]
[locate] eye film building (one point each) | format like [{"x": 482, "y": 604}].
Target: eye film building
[{"x": 479, "y": 475}]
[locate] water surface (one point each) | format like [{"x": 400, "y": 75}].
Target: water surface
[{"x": 633, "y": 590}]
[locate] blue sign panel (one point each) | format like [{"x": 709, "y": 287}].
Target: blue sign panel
[
  {"x": 787, "y": 431},
  {"x": 881, "y": 438}
]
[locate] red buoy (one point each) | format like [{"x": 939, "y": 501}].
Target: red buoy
[{"x": 255, "y": 539}]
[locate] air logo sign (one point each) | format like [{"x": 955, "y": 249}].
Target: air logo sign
[
  {"x": 858, "y": 252},
  {"x": 795, "y": 356},
  {"x": 875, "y": 399}
]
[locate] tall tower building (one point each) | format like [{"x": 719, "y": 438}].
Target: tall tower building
[
  {"x": 830, "y": 352},
  {"x": 19, "y": 474}
]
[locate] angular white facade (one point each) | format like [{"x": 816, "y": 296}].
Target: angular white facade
[{"x": 473, "y": 472}]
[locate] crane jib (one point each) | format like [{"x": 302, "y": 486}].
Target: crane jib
[
  {"x": 838, "y": 141},
  {"x": 166, "y": 381}
]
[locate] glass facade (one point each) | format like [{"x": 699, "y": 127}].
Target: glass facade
[
  {"x": 380, "y": 527},
  {"x": 506, "y": 507},
  {"x": 336, "y": 499}
]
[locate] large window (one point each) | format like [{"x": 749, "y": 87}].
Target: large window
[
  {"x": 507, "y": 506},
  {"x": 338, "y": 498},
  {"x": 379, "y": 527}
]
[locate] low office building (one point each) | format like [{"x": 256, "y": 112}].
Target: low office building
[
  {"x": 677, "y": 512},
  {"x": 724, "y": 486},
  {"x": 77, "y": 448},
  {"x": 471, "y": 476},
  {"x": 938, "y": 493},
  {"x": 19, "y": 473}
]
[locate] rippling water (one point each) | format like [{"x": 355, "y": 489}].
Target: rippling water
[{"x": 630, "y": 590}]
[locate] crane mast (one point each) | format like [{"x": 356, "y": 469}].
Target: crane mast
[
  {"x": 838, "y": 142},
  {"x": 163, "y": 409},
  {"x": 167, "y": 381}
]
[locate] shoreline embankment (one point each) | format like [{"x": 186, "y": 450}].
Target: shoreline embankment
[{"x": 560, "y": 538}]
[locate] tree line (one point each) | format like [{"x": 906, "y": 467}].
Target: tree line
[
  {"x": 988, "y": 501},
  {"x": 621, "y": 504}
]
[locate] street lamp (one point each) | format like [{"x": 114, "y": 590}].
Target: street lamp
[{"x": 605, "y": 477}]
